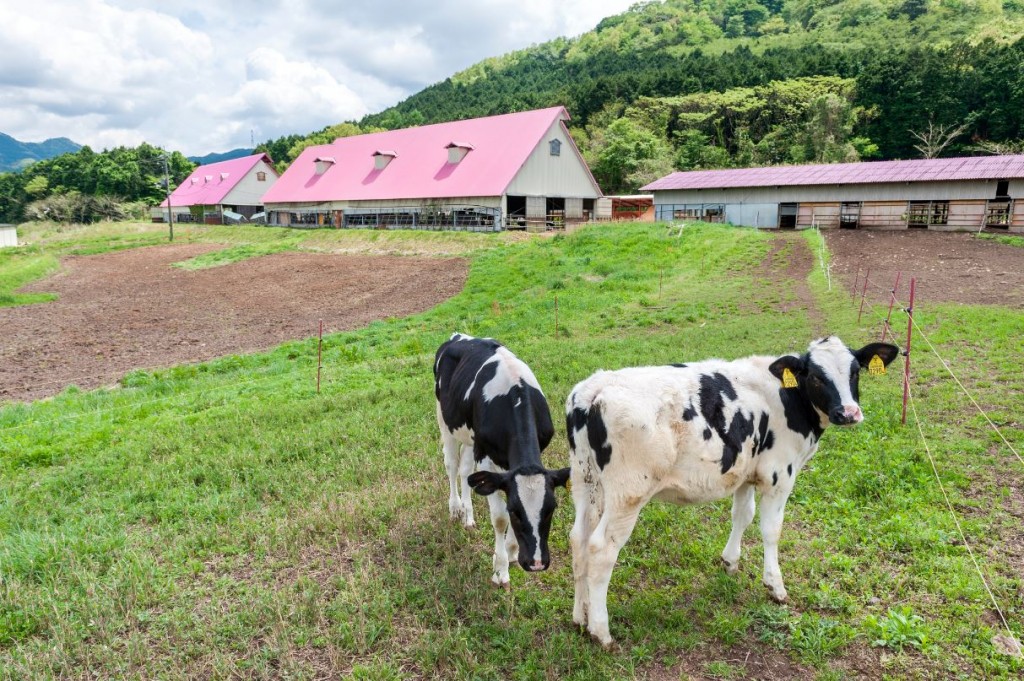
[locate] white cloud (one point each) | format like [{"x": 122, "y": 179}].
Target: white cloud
[{"x": 200, "y": 77}]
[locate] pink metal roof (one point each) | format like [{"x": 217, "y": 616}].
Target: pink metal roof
[
  {"x": 923, "y": 170},
  {"x": 498, "y": 148},
  {"x": 209, "y": 184}
]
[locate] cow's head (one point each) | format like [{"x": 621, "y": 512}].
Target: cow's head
[
  {"x": 829, "y": 375},
  {"x": 530, "y": 499}
]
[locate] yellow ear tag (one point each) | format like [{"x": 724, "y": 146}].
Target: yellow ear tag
[
  {"x": 876, "y": 367},
  {"x": 568, "y": 486},
  {"x": 788, "y": 379}
]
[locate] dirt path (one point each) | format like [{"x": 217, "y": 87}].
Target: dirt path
[
  {"x": 793, "y": 272},
  {"x": 131, "y": 309}
]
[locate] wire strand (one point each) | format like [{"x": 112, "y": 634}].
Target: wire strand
[{"x": 956, "y": 521}]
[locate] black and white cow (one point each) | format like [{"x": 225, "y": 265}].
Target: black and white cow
[
  {"x": 492, "y": 414},
  {"x": 695, "y": 433}
]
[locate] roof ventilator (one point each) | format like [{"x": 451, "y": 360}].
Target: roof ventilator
[
  {"x": 323, "y": 163},
  {"x": 458, "y": 150},
  {"x": 382, "y": 157}
]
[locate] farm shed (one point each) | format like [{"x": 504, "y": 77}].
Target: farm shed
[
  {"x": 519, "y": 170},
  {"x": 8, "y": 235},
  {"x": 633, "y": 207},
  {"x": 946, "y": 194},
  {"x": 212, "y": 193}
]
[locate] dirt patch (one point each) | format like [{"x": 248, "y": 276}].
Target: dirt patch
[
  {"x": 950, "y": 267},
  {"x": 129, "y": 310}
]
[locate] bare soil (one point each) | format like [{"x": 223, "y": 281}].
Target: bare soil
[
  {"x": 949, "y": 267},
  {"x": 132, "y": 310}
]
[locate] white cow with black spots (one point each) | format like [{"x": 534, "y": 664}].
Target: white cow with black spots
[
  {"x": 695, "y": 433},
  {"x": 492, "y": 414}
]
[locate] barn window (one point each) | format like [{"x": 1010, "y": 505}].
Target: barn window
[
  {"x": 1002, "y": 189},
  {"x": 924, "y": 213},
  {"x": 261, "y": 176},
  {"x": 556, "y": 147},
  {"x": 997, "y": 213}
]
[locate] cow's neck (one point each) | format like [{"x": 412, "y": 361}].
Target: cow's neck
[
  {"x": 801, "y": 415},
  {"x": 524, "y": 449}
]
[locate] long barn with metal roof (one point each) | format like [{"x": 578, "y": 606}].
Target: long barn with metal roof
[
  {"x": 946, "y": 194},
  {"x": 481, "y": 174}
]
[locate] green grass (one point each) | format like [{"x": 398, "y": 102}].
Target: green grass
[
  {"x": 223, "y": 519},
  {"x": 1008, "y": 239},
  {"x": 20, "y": 266}
]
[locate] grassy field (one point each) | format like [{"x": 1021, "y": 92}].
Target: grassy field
[{"x": 225, "y": 520}]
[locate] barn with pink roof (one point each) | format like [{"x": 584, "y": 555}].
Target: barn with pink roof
[
  {"x": 482, "y": 174},
  {"x": 943, "y": 194},
  {"x": 221, "y": 193}
]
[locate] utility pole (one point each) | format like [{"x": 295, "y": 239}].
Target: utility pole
[{"x": 167, "y": 189}]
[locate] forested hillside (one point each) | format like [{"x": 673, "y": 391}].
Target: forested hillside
[
  {"x": 686, "y": 84},
  {"x": 680, "y": 84}
]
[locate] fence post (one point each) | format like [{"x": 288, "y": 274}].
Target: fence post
[
  {"x": 319, "y": 355},
  {"x": 856, "y": 283},
  {"x": 906, "y": 353},
  {"x": 892, "y": 299},
  {"x": 863, "y": 294},
  {"x": 556, "y": 315}
]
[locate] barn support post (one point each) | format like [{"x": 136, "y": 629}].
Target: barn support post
[
  {"x": 863, "y": 295},
  {"x": 892, "y": 299},
  {"x": 319, "y": 355},
  {"x": 906, "y": 353}
]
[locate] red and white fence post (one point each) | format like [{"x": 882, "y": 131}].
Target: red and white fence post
[
  {"x": 892, "y": 299},
  {"x": 906, "y": 359},
  {"x": 863, "y": 294},
  {"x": 319, "y": 356}
]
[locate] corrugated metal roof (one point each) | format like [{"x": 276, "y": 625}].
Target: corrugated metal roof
[
  {"x": 873, "y": 172},
  {"x": 209, "y": 184},
  {"x": 500, "y": 146}
]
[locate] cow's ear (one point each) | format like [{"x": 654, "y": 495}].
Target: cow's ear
[
  {"x": 785, "y": 368},
  {"x": 884, "y": 351},
  {"x": 485, "y": 483},
  {"x": 559, "y": 477}
]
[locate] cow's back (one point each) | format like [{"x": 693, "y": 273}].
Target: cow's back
[{"x": 693, "y": 430}]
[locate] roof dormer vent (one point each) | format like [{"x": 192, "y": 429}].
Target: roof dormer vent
[
  {"x": 224, "y": 176},
  {"x": 323, "y": 163},
  {"x": 208, "y": 178},
  {"x": 382, "y": 157},
  {"x": 458, "y": 150},
  {"x": 195, "y": 180}
]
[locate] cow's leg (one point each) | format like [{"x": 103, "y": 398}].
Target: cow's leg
[
  {"x": 773, "y": 507},
  {"x": 451, "y": 448},
  {"x": 503, "y": 549},
  {"x": 586, "y": 521},
  {"x": 603, "y": 548},
  {"x": 742, "y": 515},
  {"x": 466, "y": 466}
]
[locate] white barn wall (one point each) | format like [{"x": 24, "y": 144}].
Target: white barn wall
[
  {"x": 545, "y": 175},
  {"x": 249, "y": 191}
]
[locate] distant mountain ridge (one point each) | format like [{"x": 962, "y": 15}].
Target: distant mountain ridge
[
  {"x": 16, "y": 155},
  {"x": 217, "y": 158}
]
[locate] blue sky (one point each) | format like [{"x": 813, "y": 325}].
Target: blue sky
[{"x": 201, "y": 77}]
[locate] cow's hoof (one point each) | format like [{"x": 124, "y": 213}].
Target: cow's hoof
[
  {"x": 730, "y": 568},
  {"x": 501, "y": 583},
  {"x": 778, "y": 595},
  {"x": 471, "y": 525},
  {"x": 606, "y": 642}
]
